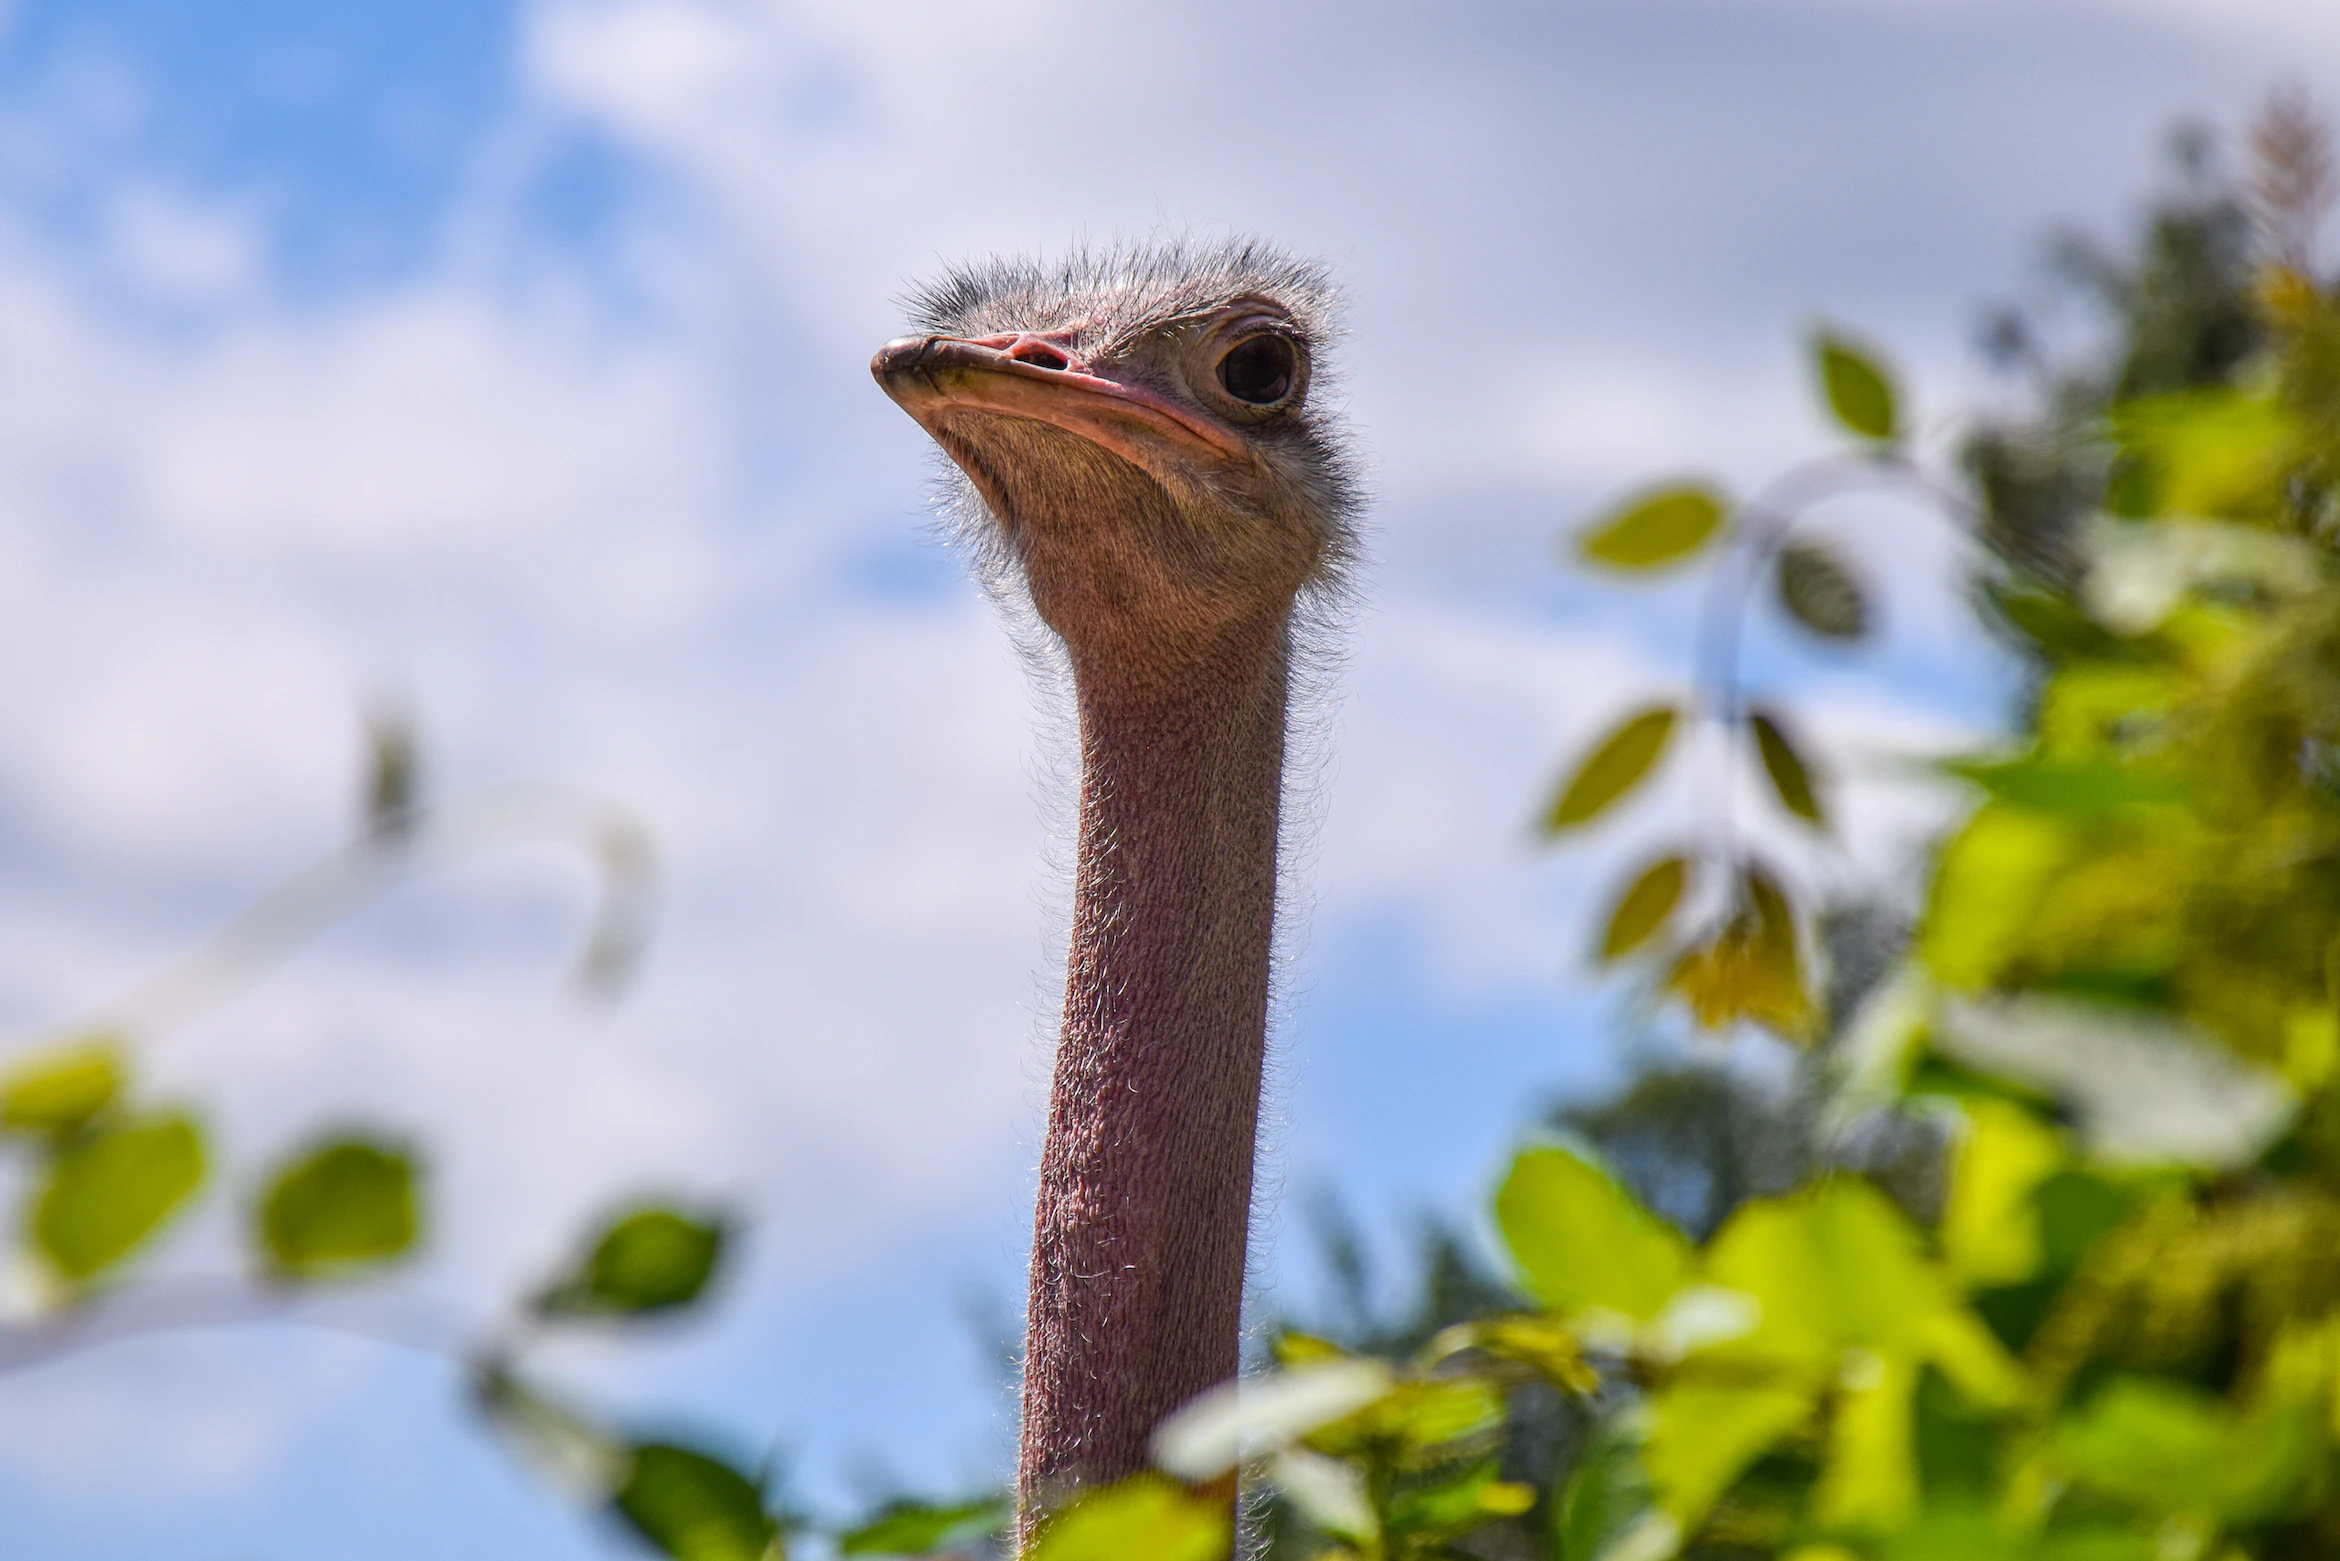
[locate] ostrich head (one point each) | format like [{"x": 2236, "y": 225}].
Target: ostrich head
[{"x": 1144, "y": 443}]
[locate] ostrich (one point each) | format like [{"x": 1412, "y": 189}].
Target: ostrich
[{"x": 1142, "y": 464}]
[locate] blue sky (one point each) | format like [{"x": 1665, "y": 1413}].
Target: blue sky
[{"x": 509, "y": 360}]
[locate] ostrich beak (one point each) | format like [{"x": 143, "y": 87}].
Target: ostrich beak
[{"x": 934, "y": 378}]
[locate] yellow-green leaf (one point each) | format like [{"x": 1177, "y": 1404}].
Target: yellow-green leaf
[
  {"x": 1143, "y": 1518},
  {"x": 1644, "y": 906},
  {"x": 1655, "y": 527},
  {"x": 913, "y": 1528},
  {"x": 342, "y": 1206},
  {"x": 58, "y": 1088},
  {"x": 1990, "y": 1231},
  {"x": 1791, "y": 777},
  {"x": 1820, "y": 592},
  {"x": 1833, "y": 1267},
  {"x": 1584, "y": 1242},
  {"x": 1703, "y": 1434},
  {"x": 1750, "y": 969},
  {"x": 1538, "y": 1341},
  {"x": 1619, "y": 763},
  {"x": 1987, "y": 885},
  {"x": 2211, "y": 454},
  {"x": 107, "y": 1192},
  {"x": 1858, "y": 392},
  {"x": 1870, "y": 1477}
]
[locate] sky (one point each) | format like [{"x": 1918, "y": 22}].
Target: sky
[{"x": 504, "y": 361}]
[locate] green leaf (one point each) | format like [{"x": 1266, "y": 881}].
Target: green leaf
[
  {"x": 1655, "y": 527},
  {"x": 1990, "y": 1230},
  {"x": 58, "y": 1088},
  {"x": 649, "y": 1260},
  {"x": 1644, "y": 906},
  {"x": 2170, "y": 1447},
  {"x": 1607, "y": 1493},
  {"x": 1614, "y": 768},
  {"x": 1987, "y": 883},
  {"x": 2088, "y": 788},
  {"x": 2211, "y": 454},
  {"x": 1143, "y": 1518},
  {"x": 343, "y": 1205},
  {"x": 1584, "y": 1242},
  {"x": 914, "y": 1529},
  {"x": 1833, "y": 1267},
  {"x": 1790, "y": 776},
  {"x": 695, "y": 1508},
  {"x": 1703, "y": 1435},
  {"x": 1415, "y": 1417},
  {"x": 1820, "y": 593},
  {"x": 1870, "y": 1478},
  {"x": 1454, "y": 1506},
  {"x": 1859, "y": 394},
  {"x": 1536, "y": 1340},
  {"x": 109, "y": 1191}
]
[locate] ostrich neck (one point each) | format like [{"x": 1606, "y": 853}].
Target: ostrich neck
[{"x": 1146, "y": 1175}]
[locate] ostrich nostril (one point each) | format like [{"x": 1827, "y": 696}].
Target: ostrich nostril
[{"x": 1039, "y": 354}]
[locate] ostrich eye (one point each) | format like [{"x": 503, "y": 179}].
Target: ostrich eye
[{"x": 1260, "y": 370}]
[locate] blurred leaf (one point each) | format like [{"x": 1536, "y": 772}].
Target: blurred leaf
[
  {"x": 1614, "y": 768},
  {"x": 649, "y": 1260},
  {"x": 1542, "y": 1343},
  {"x": 1454, "y": 1506},
  {"x": 1606, "y": 1494},
  {"x": 1791, "y": 777},
  {"x": 1644, "y": 906},
  {"x": 2086, "y": 789},
  {"x": 1329, "y": 1491},
  {"x": 1987, "y": 882},
  {"x": 341, "y": 1206},
  {"x": 1294, "y": 1348},
  {"x": 2214, "y": 453},
  {"x": 1820, "y": 593},
  {"x": 1870, "y": 1477},
  {"x": 393, "y": 769},
  {"x": 108, "y": 1191},
  {"x": 1835, "y": 1266},
  {"x": 58, "y": 1088},
  {"x": 1242, "y": 1419},
  {"x": 1143, "y": 1518},
  {"x": 2170, "y": 1447},
  {"x": 1583, "y": 1241},
  {"x": 695, "y": 1508},
  {"x": 1990, "y": 1230},
  {"x": 1414, "y": 1418},
  {"x": 1858, "y": 393},
  {"x": 1702, "y": 1435},
  {"x": 1656, "y": 527},
  {"x": 1750, "y": 969},
  {"x": 915, "y": 1529}
]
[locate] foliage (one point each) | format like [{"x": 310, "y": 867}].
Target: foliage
[{"x": 2039, "y": 1255}]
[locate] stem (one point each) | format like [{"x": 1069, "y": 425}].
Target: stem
[
  {"x": 1765, "y": 522},
  {"x": 428, "y": 1327},
  {"x": 237, "y": 957}
]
